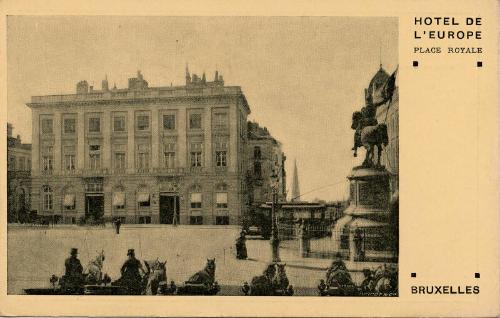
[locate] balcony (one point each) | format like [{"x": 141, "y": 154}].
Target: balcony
[
  {"x": 196, "y": 169},
  {"x": 95, "y": 172},
  {"x": 168, "y": 171}
]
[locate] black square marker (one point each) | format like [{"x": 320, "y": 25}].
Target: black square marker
[
  {"x": 479, "y": 64},
  {"x": 477, "y": 275},
  {"x": 415, "y": 63},
  {"x": 413, "y": 274}
]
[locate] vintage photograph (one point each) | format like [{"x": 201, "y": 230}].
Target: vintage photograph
[{"x": 226, "y": 156}]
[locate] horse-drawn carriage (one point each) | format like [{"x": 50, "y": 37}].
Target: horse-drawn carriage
[
  {"x": 153, "y": 282},
  {"x": 201, "y": 283},
  {"x": 272, "y": 282},
  {"x": 379, "y": 282}
]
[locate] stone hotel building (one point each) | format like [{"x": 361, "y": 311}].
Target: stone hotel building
[{"x": 143, "y": 154}]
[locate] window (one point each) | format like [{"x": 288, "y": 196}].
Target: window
[
  {"x": 47, "y": 126},
  {"x": 196, "y": 155},
  {"x": 119, "y": 123},
  {"x": 220, "y": 120},
  {"x": 69, "y": 162},
  {"x": 47, "y": 162},
  {"x": 169, "y": 122},
  {"x": 94, "y": 187},
  {"x": 94, "y": 124},
  {"x": 119, "y": 201},
  {"x": 221, "y": 200},
  {"x": 195, "y": 200},
  {"x": 220, "y": 158},
  {"x": 256, "y": 153},
  {"x": 196, "y": 220},
  {"x": 47, "y": 198},
  {"x": 143, "y": 156},
  {"x": 195, "y": 121},
  {"x": 257, "y": 170},
  {"x": 69, "y": 125},
  {"x": 169, "y": 158},
  {"x": 28, "y": 165},
  {"x": 142, "y": 122},
  {"x": 169, "y": 155},
  {"x": 95, "y": 157},
  {"x": 119, "y": 160},
  {"x": 69, "y": 202},
  {"x": 21, "y": 163},
  {"x": 144, "y": 220},
  {"x": 69, "y": 157},
  {"x": 222, "y": 220},
  {"x": 143, "y": 200}
]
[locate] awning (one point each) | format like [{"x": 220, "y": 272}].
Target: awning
[
  {"x": 195, "y": 197},
  {"x": 143, "y": 197},
  {"x": 118, "y": 199},
  {"x": 69, "y": 200},
  {"x": 221, "y": 197},
  {"x": 362, "y": 222},
  {"x": 221, "y": 213},
  {"x": 195, "y": 213}
]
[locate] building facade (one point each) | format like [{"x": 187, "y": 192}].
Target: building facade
[
  {"x": 18, "y": 177},
  {"x": 143, "y": 154},
  {"x": 265, "y": 171}
]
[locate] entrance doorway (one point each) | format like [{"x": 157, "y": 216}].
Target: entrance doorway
[
  {"x": 94, "y": 206},
  {"x": 169, "y": 209}
]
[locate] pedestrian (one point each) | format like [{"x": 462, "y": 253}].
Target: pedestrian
[
  {"x": 241, "y": 247},
  {"x": 118, "y": 223}
]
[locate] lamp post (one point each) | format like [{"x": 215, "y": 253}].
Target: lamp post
[{"x": 275, "y": 242}]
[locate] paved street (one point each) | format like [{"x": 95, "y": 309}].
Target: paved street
[{"x": 37, "y": 253}]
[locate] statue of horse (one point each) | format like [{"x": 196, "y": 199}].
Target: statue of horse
[
  {"x": 156, "y": 276},
  {"x": 93, "y": 272},
  {"x": 370, "y": 136}
]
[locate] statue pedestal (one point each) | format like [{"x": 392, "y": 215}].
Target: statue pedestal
[{"x": 364, "y": 231}]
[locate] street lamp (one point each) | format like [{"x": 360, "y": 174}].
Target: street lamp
[{"x": 275, "y": 242}]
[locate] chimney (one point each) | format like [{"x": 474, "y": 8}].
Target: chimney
[
  {"x": 216, "y": 79},
  {"x": 91, "y": 89},
  {"x": 19, "y": 137}
]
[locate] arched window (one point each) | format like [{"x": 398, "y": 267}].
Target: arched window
[{"x": 47, "y": 198}]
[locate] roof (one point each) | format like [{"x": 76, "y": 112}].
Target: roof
[{"x": 378, "y": 80}]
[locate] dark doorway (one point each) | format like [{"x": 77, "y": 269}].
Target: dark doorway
[
  {"x": 169, "y": 206},
  {"x": 94, "y": 206}
]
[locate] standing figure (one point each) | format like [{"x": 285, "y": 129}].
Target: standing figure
[
  {"x": 358, "y": 242},
  {"x": 72, "y": 281},
  {"x": 131, "y": 276},
  {"x": 118, "y": 223},
  {"x": 241, "y": 247}
]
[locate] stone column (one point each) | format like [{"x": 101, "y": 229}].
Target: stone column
[
  {"x": 57, "y": 142},
  {"x": 131, "y": 142},
  {"x": 80, "y": 154},
  {"x": 106, "y": 134},
  {"x": 35, "y": 140},
  {"x": 207, "y": 129},
  {"x": 182, "y": 138},
  {"x": 155, "y": 135}
]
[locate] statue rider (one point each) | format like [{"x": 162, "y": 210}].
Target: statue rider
[
  {"x": 73, "y": 276},
  {"x": 367, "y": 117}
]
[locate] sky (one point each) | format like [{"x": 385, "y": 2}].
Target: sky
[{"x": 302, "y": 76}]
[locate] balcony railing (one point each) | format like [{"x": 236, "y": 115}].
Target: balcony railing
[
  {"x": 95, "y": 172},
  {"x": 168, "y": 171},
  {"x": 154, "y": 92}
]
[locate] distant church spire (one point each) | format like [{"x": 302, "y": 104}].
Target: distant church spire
[
  {"x": 295, "y": 183},
  {"x": 188, "y": 76}
]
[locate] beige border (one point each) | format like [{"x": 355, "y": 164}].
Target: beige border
[{"x": 448, "y": 167}]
